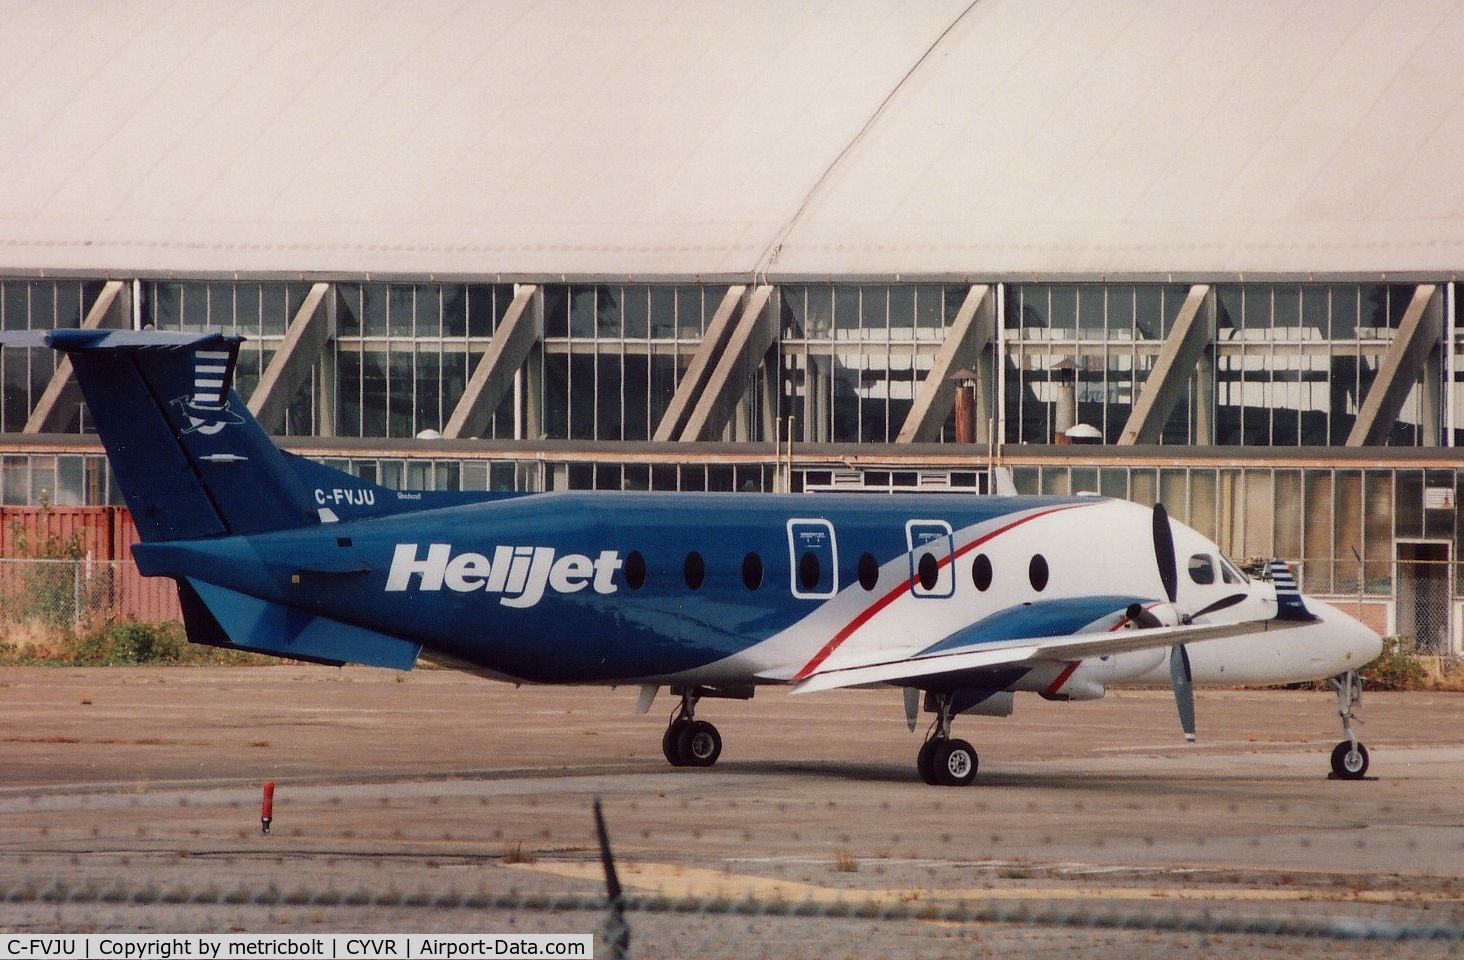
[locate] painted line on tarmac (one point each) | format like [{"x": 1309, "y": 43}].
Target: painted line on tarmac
[{"x": 672, "y": 880}]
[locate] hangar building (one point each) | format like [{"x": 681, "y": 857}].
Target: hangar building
[{"x": 1203, "y": 253}]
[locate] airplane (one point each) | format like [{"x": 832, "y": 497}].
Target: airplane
[{"x": 964, "y": 600}]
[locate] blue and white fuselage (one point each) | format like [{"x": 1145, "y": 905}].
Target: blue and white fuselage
[{"x": 969, "y": 599}]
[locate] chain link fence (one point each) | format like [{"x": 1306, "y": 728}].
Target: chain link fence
[
  {"x": 112, "y": 877},
  {"x": 42, "y": 601}
]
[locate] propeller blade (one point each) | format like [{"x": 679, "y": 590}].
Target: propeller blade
[
  {"x": 912, "y": 706},
  {"x": 1164, "y": 552},
  {"x": 1184, "y": 692},
  {"x": 1220, "y": 604}
]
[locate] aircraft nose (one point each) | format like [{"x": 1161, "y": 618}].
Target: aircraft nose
[{"x": 1354, "y": 643}]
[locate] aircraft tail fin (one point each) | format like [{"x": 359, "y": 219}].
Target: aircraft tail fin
[
  {"x": 1289, "y": 605},
  {"x": 187, "y": 455}
]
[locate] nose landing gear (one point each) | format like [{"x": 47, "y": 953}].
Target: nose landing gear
[{"x": 1349, "y": 758}]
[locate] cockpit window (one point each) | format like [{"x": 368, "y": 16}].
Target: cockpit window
[
  {"x": 1231, "y": 572},
  {"x": 1202, "y": 569}
]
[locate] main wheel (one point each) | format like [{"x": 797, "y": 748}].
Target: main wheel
[
  {"x": 955, "y": 763},
  {"x": 699, "y": 744},
  {"x": 669, "y": 743},
  {"x": 925, "y": 761},
  {"x": 1347, "y": 763}
]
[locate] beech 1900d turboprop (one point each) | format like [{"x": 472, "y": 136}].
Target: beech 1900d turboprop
[{"x": 966, "y": 599}]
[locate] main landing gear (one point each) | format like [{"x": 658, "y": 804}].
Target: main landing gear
[
  {"x": 689, "y": 742},
  {"x": 943, "y": 761},
  {"x": 1349, "y": 758}
]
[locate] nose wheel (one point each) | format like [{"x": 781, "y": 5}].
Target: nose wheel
[
  {"x": 943, "y": 761},
  {"x": 689, "y": 742},
  {"x": 1349, "y": 758}
]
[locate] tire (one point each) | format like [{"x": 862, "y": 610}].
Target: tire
[
  {"x": 1349, "y": 765},
  {"x": 669, "y": 743},
  {"x": 955, "y": 763},
  {"x": 699, "y": 744},
  {"x": 925, "y": 761}
]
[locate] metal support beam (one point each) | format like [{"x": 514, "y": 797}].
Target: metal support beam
[
  {"x": 1416, "y": 341},
  {"x": 112, "y": 310},
  {"x": 521, "y": 327},
  {"x": 694, "y": 380},
  {"x": 1191, "y": 333},
  {"x": 306, "y": 337},
  {"x": 747, "y": 345},
  {"x": 964, "y": 346}
]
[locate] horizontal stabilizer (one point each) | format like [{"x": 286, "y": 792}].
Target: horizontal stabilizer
[{"x": 277, "y": 630}]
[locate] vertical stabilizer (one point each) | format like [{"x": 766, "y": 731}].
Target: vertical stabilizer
[{"x": 185, "y": 452}]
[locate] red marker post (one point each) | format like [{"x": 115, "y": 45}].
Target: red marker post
[{"x": 266, "y": 812}]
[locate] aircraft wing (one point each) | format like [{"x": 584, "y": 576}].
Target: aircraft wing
[{"x": 1011, "y": 652}]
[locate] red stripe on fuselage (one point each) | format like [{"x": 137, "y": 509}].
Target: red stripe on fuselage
[
  {"x": 1062, "y": 678},
  {"x": 889, "y": 598}
]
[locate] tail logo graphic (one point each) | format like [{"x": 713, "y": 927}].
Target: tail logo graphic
[{"x": 207, "y": 411}]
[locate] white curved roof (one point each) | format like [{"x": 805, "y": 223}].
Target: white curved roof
[{"x": 661, "y": 138}]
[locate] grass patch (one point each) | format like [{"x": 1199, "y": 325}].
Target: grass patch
[{"x": 124, "y": 642}]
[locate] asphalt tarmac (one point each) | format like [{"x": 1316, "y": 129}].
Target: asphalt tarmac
[{"x": 146, "y": 782}]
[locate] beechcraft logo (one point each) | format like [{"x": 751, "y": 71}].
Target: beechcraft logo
[{"x": 207, "y": 411}]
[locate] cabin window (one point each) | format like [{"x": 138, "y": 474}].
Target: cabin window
[
  {"x": 927, "y": 570},
  {"x": 694, "y": 570},
  {"x": 635, "y": 570},
  {"x": 809, "y": 571},
  {"x": 1230, "y": 572},
  {"x": 1037, "y": 572},
  {"x": 752, "y": 571},
  {"x": 868, "y": 571},
  {"x": 1202, "y": 569},
  {"x": 981, "y": 571}
]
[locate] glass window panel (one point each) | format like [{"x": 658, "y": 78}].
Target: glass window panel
[
  {"x": 609, "y": 414},
  {"x": 1091, "y": 312},
  {"x": 1173, "y": 492},
  {"x": 348, "y": 309},
  {"x": 429, "y": 311},
  {"x": 401, "y": 401},
  {"x": 1378, "y": 532},
  {"x": 1285, "y": 312},
  {"x": 794, "y": 309},
  {"x": 400, "y": 309},
  {"x": 1347, "y": 530},
  {"x": 689, "y": 312},
  {"x": 1203, "y": 502},
  {"x": 14, "y": 305},
  {"x": 1439, "y": 523},
  {"x": 373, "y": 394},
  {"x": 1113, "y": 482},
  {"x": 663, "y": 477},
  {"x": 582, "y": 311},
  {"x": 481, "y": 312},
  {"x": 636, "y": 309},
  {"x": 1317, "y": 545},
  {"x": 902, "y": 311},
  {"x": 1408, "y": 503},
  {"x": 556, "y": 396},
  {"x": 693, "y": 477},
  {"x": 1025, "y": 479},
  {"x": 640, "y": 421},
  {"x": 15, "y": 481},
  {"x": 609, "y": 320},
  {"x": 1148, "y": 312},
  {"x": 1143, "y": 486},
  {"x": 1056, "y": 481},
  {"x": 1287, "y": 510},
  {"x": 502, "y": 476},
  {"x": 454, "y": 310},
  {"x": 373, "y": 306},
  {"x": 662, "y": 386},
  {"x": 845, "y": 316},
  {"x": 663, "y": 313}
]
